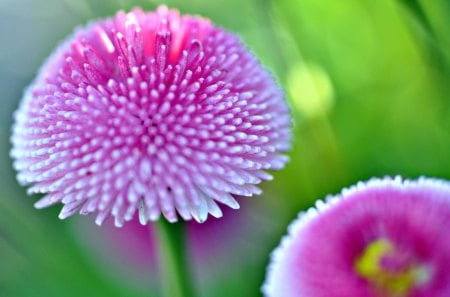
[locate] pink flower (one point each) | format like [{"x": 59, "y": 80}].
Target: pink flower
[
  {"x": 383, "y": 238},
  {"x": 151, "y": 111}
]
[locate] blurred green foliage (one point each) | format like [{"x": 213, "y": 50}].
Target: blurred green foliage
[{"x": 368, "y": 83}]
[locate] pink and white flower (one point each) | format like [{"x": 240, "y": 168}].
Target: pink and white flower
[
  {"x": 384, "y": 238},
  {"x": 155, "y": 111}
]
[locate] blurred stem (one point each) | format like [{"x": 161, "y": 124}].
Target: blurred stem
[
  {"x": 436, "y": 13},
  {"x": 265, "y": 8},
  {"x": 173, "y": 262}
]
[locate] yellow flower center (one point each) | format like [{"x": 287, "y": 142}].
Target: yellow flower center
[{"x": 390, "y": 271}]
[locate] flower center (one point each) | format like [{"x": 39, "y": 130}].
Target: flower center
[{"x": 389, "y": 270}]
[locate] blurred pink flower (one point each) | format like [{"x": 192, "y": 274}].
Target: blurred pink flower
[
  {"x": 151, "y": 111},
  {"x": 386, "y": 237}
]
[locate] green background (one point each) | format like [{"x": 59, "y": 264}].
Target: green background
[{"x": 368, "y": 83}]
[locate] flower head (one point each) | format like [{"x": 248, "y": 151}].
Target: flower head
[
  {"x": 151, "y": 111},
  {"x": 383, "y": 238}
]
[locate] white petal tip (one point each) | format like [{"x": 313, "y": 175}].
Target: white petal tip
[
  {"x": 172, "y": 219},
  {"x": 63, "y": 216}
]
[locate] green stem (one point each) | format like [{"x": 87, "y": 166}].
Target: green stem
[
  {"x": 436, "y": 15},
  {"x": 173, "y": 262}
]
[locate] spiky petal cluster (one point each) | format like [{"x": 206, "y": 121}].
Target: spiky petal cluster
[
  {"x": 383, "y": 238},
  {"x": 151, "y": 111}
]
